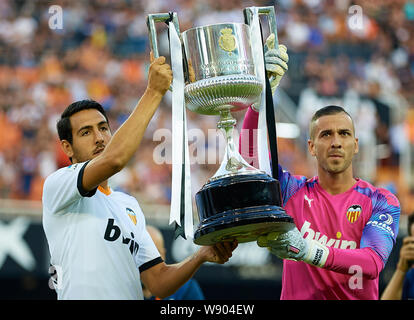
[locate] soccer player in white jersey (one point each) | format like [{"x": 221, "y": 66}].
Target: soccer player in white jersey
[{"x": 97, "y": 238}]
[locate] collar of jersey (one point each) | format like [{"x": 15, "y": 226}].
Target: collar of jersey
[
  {"x": 107, "y": 191},
  {"x": 339, "y": 194}
]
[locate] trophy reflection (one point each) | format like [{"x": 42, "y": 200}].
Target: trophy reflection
[{"x": 238, "y": 201}]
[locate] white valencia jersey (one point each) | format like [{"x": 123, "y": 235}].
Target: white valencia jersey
[{"x": 98, "y": 241}]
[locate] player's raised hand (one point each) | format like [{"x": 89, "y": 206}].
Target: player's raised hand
[
  {"x": 160, "y": 74},
  {"x": 276, "y": 60}
]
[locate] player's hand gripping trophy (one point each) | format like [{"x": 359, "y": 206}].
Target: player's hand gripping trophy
[{"x": 221, "y": 71}]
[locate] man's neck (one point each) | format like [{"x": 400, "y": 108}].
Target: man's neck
[
  {"x": 336, "y": 183},
  {"x": 104, "y": 184}
]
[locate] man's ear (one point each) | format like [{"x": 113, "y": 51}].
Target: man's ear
[
  {"x": 356, "y": 146},
  {"x": 67, "y": 148},
  {"x": 311, "y": 147}
]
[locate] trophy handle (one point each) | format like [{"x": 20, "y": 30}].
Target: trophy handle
[
  {"x": 155, "y": 18},
  {"x": 270, "y": 12}
]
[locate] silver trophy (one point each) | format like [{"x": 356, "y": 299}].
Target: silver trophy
[{"x": 239, "y": 201}]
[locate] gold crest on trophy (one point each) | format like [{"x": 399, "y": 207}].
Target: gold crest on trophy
[{"x": 227, "y": 40}]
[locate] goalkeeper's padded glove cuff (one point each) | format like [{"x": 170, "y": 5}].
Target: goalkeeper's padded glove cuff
[
  {"x": 255, "y": 106},
  {"x": 317, "y": 254}
]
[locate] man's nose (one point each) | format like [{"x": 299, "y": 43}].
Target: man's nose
[
  {"x": 336, "y": 141},
  {"x": 99, "y": 138}
]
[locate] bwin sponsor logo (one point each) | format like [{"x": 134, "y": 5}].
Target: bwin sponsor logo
[
  {"x": 323, "y": 239},
  {"x": 113, "y": 232}
]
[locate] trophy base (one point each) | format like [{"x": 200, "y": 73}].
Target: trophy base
[
  {"x": 243, "y": 225},
  {"x": 241, "y": 207}
]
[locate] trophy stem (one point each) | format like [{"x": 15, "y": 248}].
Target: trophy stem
[
  {"x": 227, "y": 124},
  {"x": 233, "y": 163}
]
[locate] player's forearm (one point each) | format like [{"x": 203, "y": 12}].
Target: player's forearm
[
  {"x": 128, "y": 137},
  {"x": 247, "y": 139},
  {"x": 172, "y": 277},
  {"x": 393, "y": 291},
  {"x": 349, "y": 261}
]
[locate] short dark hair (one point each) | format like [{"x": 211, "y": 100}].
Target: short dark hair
[
  {"x": 64, "y": 128},
  {"x": 327, "y": 111}
]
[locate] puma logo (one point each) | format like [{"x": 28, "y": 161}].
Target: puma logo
[{"x": 308, "y": 200}]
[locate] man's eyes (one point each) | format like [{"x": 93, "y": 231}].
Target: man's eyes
[
  {"x": 86, "y": 132},
  {"x": 342, "y": 133}
]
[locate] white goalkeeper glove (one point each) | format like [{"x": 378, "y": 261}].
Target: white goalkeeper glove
[
  {"x": 276, "y": 64},
  {"x": 292, "y": 246},
  {"x": 276, "y": 60}
]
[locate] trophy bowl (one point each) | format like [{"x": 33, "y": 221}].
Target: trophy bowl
[
  {"x": 223, "y": 69},
  {"x": 212, "y": 95}
]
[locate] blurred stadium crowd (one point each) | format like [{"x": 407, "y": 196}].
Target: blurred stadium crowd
[{"x": 102, "y": 53}]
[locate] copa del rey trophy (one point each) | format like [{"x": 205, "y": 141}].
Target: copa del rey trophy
[{"x": 218, "y": 69}]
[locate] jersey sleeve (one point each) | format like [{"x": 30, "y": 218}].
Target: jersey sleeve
[
  {"x": 289, "y": 184},
  {"x": 380, "y": 232},
  {"x": 148, "y": 254},
  {"x": 342, "y": 260},
  {"x": 377, "y": 241},
  {"x": 64, "y": 187}
]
